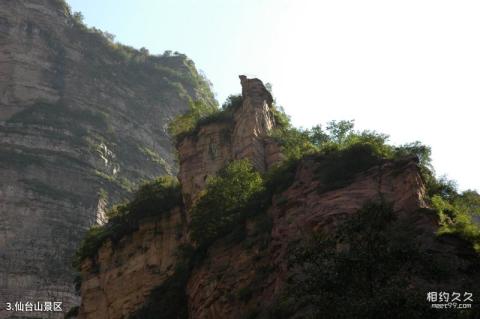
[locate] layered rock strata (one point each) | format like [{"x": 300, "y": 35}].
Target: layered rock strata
[
  {"x": 243, "y": 136},
  {"x": 243, "y": 277},
  {"x": 120, "y": 279},
  {"x": 215, "y": 287},
  {"x": 82, "y": 120}
]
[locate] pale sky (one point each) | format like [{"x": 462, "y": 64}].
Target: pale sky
[{"x": 410, "y": 69}]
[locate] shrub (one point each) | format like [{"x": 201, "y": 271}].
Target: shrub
[
  {"x": 224, "y": 202},
  {"x": 282, "y": 120},
  {"x": 280, "y": 177},
  {"x": 456, "y": 217},
  {"x": 338, "y": 167},
  {"x": 186, "y": 123},
  {"x": 294, "y": 142},
  {"x": 201, "y": 114},
  {"x": 151, "y": 199},
  {"x": 232, "y": 103},
  {"x": 469, "y": 201},
  {"x": 373, "y": 261}
]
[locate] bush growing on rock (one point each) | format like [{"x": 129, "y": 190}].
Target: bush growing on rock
[
  {"x": 371, "y": 266},
  {"x": 223, "y": 204},
  {"x": 150, "y": 200}
]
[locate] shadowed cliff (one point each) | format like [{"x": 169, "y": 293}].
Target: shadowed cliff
[
  {"x": 82, "y": 121},
  {"x": 268, "y": 221}
]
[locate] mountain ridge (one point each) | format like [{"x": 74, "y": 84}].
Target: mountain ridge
[{"x": 82, "y": 120}]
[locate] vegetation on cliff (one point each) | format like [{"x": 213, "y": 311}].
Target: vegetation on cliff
[
  {"x": 457, "y": 216},
  {"x": 170, "y": 70},
  {"x": 150, "y": 200},
  {"x": 371, "y": 264},
  {"x": 201, "y": 114},
  {"x": 366, "y": 265},
  {"x": 343, "y": 152},
  {"x": 225, "y": 201}
]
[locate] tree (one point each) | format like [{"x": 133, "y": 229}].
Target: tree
[
  {"x": 318, "y": 136},
  {"x": 371, "y": 266},
  {"x": 339, "y": 131},
  {"x": 222, "y": 205}
]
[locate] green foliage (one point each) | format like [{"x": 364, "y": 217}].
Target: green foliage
[
  {"x": 338, "y": 167},
  {"x": 298, "y": 143},
  {"x": 168, "y": 70},
  {"x": 295, "y": 143},
  {"x": 150, "y": 200},
  {"x": 224, "y": 202},
  {"x": 365, "y": 269},
  {"x": 201, "y": 114},
  {"x": 442, "y": 186},
  {"x": 280, "y": 177},
  {"x": 343, "y": 153},
  {"x": 282, "y": 120},
  {"x": 160, "y": 194},
  {"x": 422, "y": 152},
  {"x": 120, "y": 182},
  {"x": 318, "y": 136},
  {"x": 339, "y": 131},
  {"x": 186, "y": 124},
  {"x": 156, "y": 158},
  {"x": 232, "y": 103},
  {"x": 469, "y": 201},
  {"x": 90, "y": 244},
  {"x": 340, "y": 136},
  {"x": 456, "y": 217}
]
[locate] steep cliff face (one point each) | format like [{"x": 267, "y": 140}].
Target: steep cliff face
[
  {"x": 233, "y": 280},
  {"x": 81, "y": 121},
  {"x": 122, "y": 276},
  {"x": 119, "y": 279},
  {"x": 245, "y": 274},
  {"x": 243, "y": 136}
]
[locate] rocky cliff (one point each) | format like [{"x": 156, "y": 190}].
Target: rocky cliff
[
  {"x": 242, "y": 135},
  {"x": 235, "y": 280},
  {"x": 123, "y": 275},
  {"x": 82, "y": 120},
  {"x": 247, "y": 273}
]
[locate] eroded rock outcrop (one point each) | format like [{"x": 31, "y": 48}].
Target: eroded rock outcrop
[
  {"x": 81, "y": 120},
  {"x": 119, "y": 280},
  {"x": 243, "y": 273},
  {"x": 217, "y": 288},
  {"x": 245, "y": 136}
]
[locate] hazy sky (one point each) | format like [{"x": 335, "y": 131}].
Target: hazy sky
[{"x": 410, "y": 69}]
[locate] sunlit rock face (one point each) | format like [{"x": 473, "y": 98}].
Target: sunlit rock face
[
  {"x": 300, "y": 210},
  {"x": 245, "y": 273},
  {"x": 81, "y": 121},
  {"x": 245, "y": 136}
]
